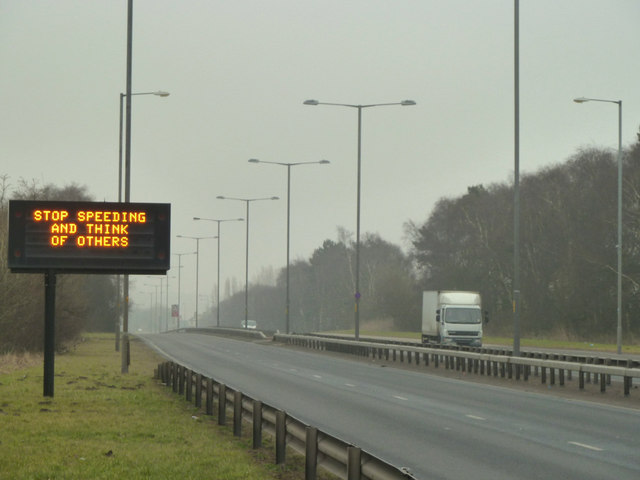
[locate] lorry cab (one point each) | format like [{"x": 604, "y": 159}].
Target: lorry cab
[{"x": 460, "y": 325}]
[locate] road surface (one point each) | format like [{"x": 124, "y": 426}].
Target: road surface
[{"x": 439, "y": 428}]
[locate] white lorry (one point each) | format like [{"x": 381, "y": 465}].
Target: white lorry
[{"x": 452, "y": 318}]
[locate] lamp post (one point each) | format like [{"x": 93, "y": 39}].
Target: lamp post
[
  {"x": 247, "y": 201},
  {"x": 288, "y": 165},
  {"x": 128, "y": 95},
  {"x": 403, "y": 103},
  {"x": 179, "y": 255},
  {"x": 160, "y": 307},
  {"x": 197, "y": 239},
  {"x": 158, "y": 93},
  {"x": 166, "y": 307},
  {"x": 154, "y": 307},
  {"x": 619, "y": 246},
  {"x": 219, "y": 221}
]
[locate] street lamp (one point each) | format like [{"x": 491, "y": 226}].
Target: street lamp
[
  {"x": 179, "y": 255},
  {"x": 197, "y": 239},
  {"x": 155, "y": 311},
  {"x": 619, "y": 246},
  {"x": 288, "y": 165},
  {"x": 158, "y": 93},
  {"x": 219, "y": 222},
  {"x": 160, "y": 305},
  {"x": 247, "y": 201},
  {"x": 404, "y": 103},
  {"x": 125, "y": 286}
]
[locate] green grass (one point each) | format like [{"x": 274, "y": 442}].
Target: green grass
[{"x": 103, "y": 425}]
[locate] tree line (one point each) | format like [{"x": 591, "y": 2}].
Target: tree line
[
  {"x": 568, "y": 264},
  {"x": 83, "y": 302},
  {"x": 568, "y": 259}
]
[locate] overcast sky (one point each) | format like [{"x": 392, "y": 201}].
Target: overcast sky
[{"x": 238, "y": 73}]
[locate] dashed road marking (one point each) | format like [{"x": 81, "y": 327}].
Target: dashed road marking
[
  {"x": 317, "y": 376},
  {"x": 349, "y": 385},
  {"x": 588, "y": 447},
  {"x": 400, "y": 398},
  {"x": 475, "y": 417}
]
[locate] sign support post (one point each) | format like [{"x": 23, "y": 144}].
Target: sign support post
[{"x": 49, "y": 331}]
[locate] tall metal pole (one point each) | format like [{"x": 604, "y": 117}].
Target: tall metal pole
[
  {"x": 219, "y": 221},
  {"x": 516, "y": 186},
  {"x": 118, "y": 292},
  {"x": 288, "y": 268},
  {"x": 357, "y": 293},
  {"x": 218, "y": 282},
  {"x": 287, "y": 299},
  {"x": 127, "y": 194},
  {"x": 619, "y": 229},
  {"x": 179, "y": 283},
  {"x": 619, "y": 299},
  {"x": 197, "y": 275},
  {"x": 246, "y": 261},
  {"x": 166, "y": 308},
  {"x": 246, "y": 274},
  {"x": 357, "y": 268}
]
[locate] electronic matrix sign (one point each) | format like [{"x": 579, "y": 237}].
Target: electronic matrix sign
[{"x": 89, "y": 237}]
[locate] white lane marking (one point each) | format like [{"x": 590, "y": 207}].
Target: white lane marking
[
  {"x": 317, "y": 376},
  {"x": 400, "y": 398},
  {"x": 475, "y": 417},
  {"x": 588, "y": 447},
  {"x": 349, "y": 385}
]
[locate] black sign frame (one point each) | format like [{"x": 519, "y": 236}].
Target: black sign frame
[{"x": 56, "y": 236}]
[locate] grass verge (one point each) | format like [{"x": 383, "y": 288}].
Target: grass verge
[
  {"x": 525, "y": 342},
  {"x": 103, "y": 425}
]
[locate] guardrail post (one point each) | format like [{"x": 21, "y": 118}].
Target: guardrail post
[
  {"x": 543, "y": 373},
  {"x": 561, "y": 374},
  {"x": 198, "y": 390},
  {"x": 257, "y": 424},
  {"x": 175, "y": 370},
  {"x": 237, "y": 414},
  {"x": 627, "y": 385},
  {"x": 181, "y": 380},
  {"x": 353, "y": 463},
  {"x": 189, "y": 384},
  {"x": 581, "y": 382},
  {"x": 281, "y": 437},
  {"x": 209, "y": 401},
  {"x": 222, "y": 404},
  {"x": 166, "y": 370},
  {"x": 311, "y": 453},
  {"x": 552, "y": 376}
]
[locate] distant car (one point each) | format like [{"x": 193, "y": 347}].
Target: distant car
[{"x": 251, "y": 324}]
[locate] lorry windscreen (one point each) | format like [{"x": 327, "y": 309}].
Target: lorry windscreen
[{"x": 463, "y": 315}]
